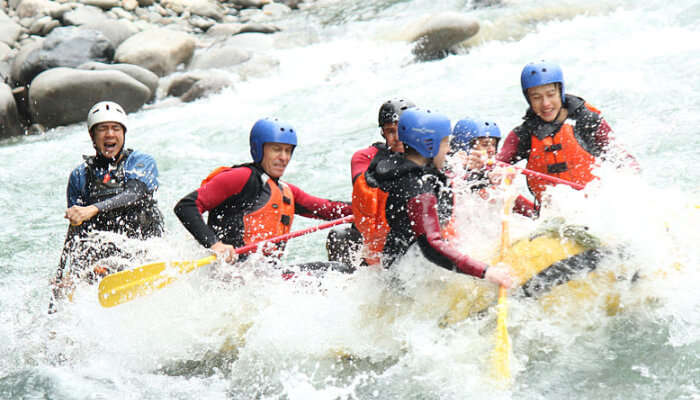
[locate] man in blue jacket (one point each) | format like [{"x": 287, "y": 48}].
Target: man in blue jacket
[{"x": 111, "y": 191}]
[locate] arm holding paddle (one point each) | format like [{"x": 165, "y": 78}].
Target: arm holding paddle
[{"x": 191, "y": 217}]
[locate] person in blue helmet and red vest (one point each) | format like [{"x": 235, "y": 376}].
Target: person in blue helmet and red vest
[
  {"x": 419, "y": 199},
  {"x": 561, "y": 135},
  {"x": 112, "y": 191},
  {"x": 474, "y": 142},
  {"x": 368, "y": 233},
  {"x": 249, "y": 202}
]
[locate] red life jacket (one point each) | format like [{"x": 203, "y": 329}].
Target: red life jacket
[
  {"x": 559, "y": 155},
  {"x": 270, "y": 219},
  {"x": 369, "y": 209}
]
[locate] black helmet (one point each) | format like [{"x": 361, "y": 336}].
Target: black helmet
[{"x": 392, "y": 109}]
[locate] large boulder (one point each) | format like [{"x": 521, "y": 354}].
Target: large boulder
[
  {"x": 250, "y": 3},
  {"x": 219, "y": 55},
  {"x": 191, "y": 86},
  {"x": 63, "y": 96},
  {"x": 9, "y": 117},
  {"x": 64, "y": 47},
  {"x": 103, "y": 4},
  {"x": 43, "y": 26},
  {"x": 225, "y": 29},
  {"x": 437, "y": 34},
  {"x": 158, "y": 50},
  {"x": 203, "y": 8},
  {"x": 276, "y": 10},
  {"x": 117, "y": 31},
  {"x": 148, "y": 78},
  {"x": 18, "y": 63},
  {"x": 36, "y": 8},
  {"x": 206, "y": 87},
  {"x": 84, "y": 15},
  {"x": 9, "y": 30}
]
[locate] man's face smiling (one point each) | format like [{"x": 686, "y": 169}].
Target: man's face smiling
[
  {"x": 545, "y": 101},
  {"x": 108, "y": 138}
]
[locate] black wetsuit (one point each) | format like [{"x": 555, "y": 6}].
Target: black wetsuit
[{"x": 419, "y": 202}]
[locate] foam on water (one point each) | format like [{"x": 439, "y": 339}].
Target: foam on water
[{"x": 242, "y": 332}]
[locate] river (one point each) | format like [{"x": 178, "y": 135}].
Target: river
[{"x": 365, "y": 336}]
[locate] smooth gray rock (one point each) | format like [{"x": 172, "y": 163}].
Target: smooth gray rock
[
  {"x": 250, "y": 3},
  {"x": 116, "y": 31},
  {"x": 43, "y": 26},
  {"x": 103, "y": 4},
  {"x": 119, "y": 13},
  {"x": 225, "y": 29},
  {"x": 63, "y": 96},
  {"x": 61, "y": 10},
  {"x": 148, "y": 78},
  {"x": 202, "y": 23},
  {"x": 9, "y": 117},
  {"x": 35, "y": 8},
  {"x": 440, "y": 32},
  {"x": 158, "y": 50},
  {"x": 65, "y": 47},
  {"x": 276, "y": 10},
  {"x": 255, "y": 27},
  {"x": 84, "y": 15},
  {"x": 179, "y": 85},
  {"x": 18, "y": 63},
  {"x": 129, "y": 5},
  {"x": 207, "y": 8},
  {"x": 9, "y": 30},
  {"x": 219, "y": 55},
  {"x": 206, "y": 87}
]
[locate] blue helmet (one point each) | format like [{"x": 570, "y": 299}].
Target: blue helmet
[
  {"x": 541, "y": 73},
  {"x": 468, "y": 129},
  {"x": 270, "y": 130},
  {"x": 423, "y": 130}
]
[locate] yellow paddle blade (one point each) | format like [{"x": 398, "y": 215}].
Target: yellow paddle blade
[
  {"x": 501, "y": 352},
  {"x": 126, "y": 285}
]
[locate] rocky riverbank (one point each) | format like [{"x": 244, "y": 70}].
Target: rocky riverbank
[{"x": 58, "y": 58}]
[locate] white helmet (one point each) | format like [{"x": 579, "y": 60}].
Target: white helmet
[{"x": 106, "y": 111}]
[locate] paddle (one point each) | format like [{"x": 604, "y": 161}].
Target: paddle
[
  {"x": 550, "y": 178},
  {"x": 501, "y": 352},
  {"x": 127, "y": 285}
]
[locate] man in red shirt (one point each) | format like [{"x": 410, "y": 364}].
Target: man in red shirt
[
  {"x": 249, "y": 202},
  {"x": 368, "y": 232}
]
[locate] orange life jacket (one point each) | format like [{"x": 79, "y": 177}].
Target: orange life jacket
[
  {"x": 274, "y": 218},
  {"x": 559, "y": 155},
  {"x": 369, "y": 209}
]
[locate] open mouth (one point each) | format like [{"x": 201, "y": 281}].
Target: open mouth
[{"x": 110, "y": 147}]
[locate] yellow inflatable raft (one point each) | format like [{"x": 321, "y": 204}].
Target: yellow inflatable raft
[{"x": 558, "y": 264}]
